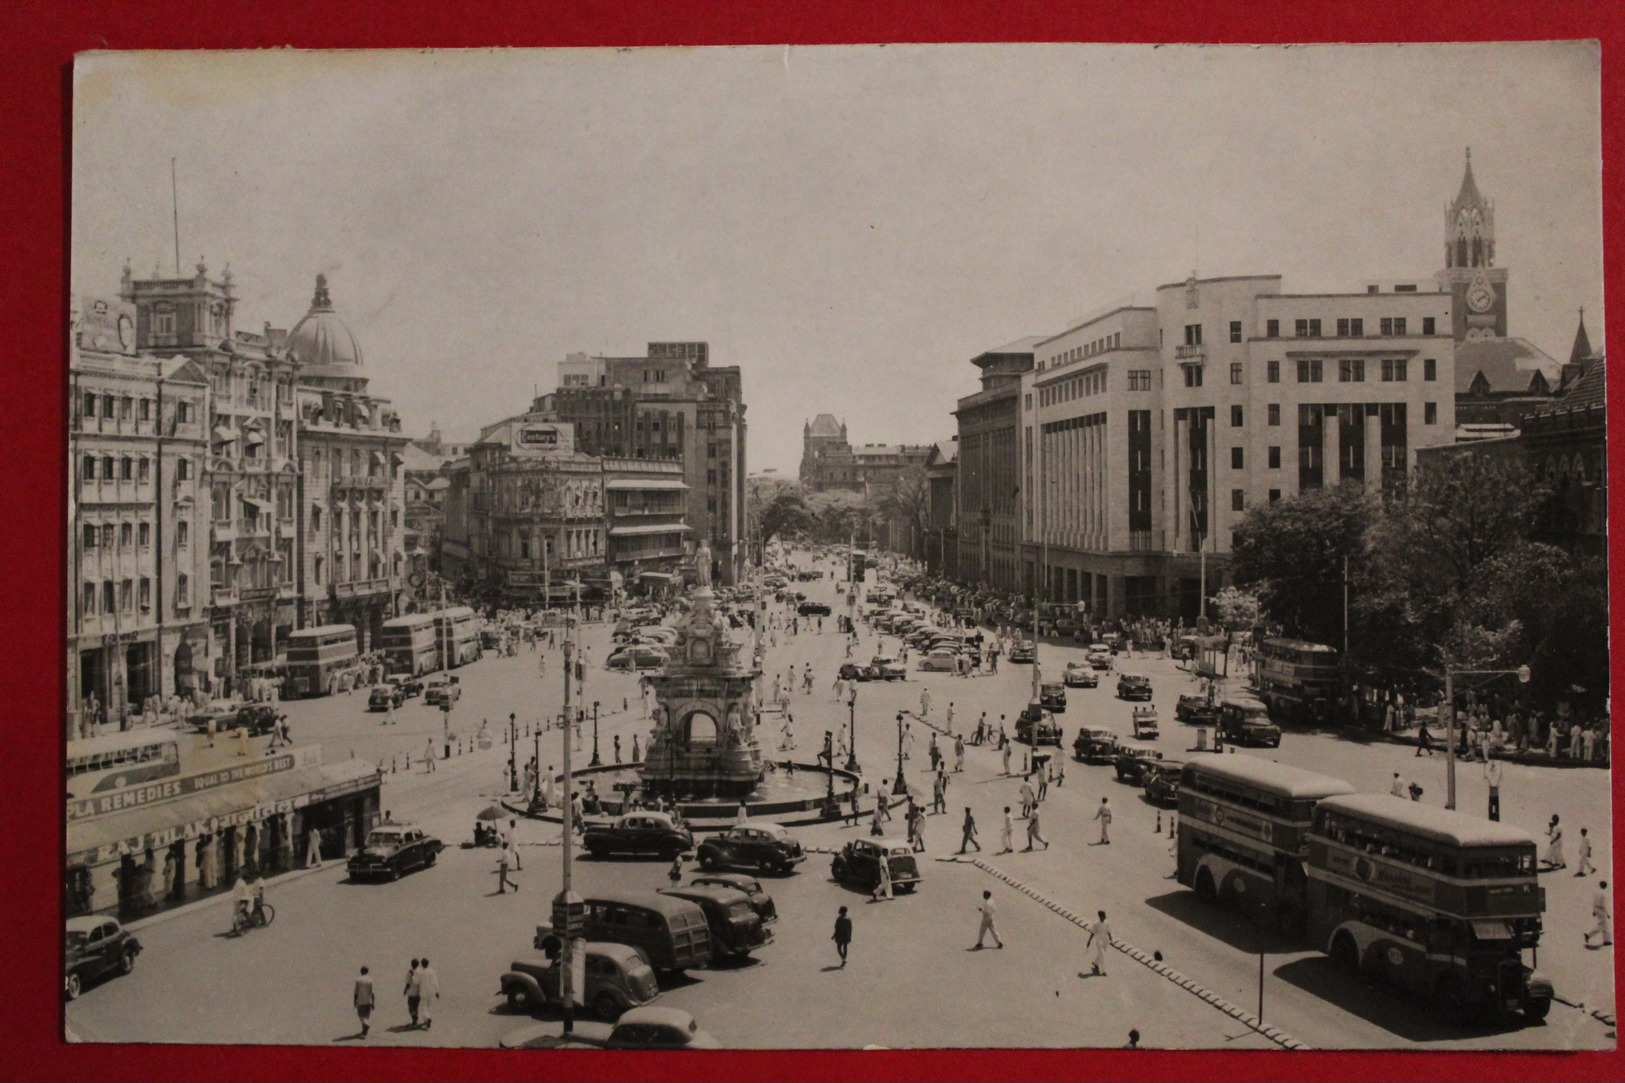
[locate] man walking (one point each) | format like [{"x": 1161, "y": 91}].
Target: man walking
[
  {"x": 1006, "y": 758},
  {"x": 502, "y": 871},
  {"x": 968, "y": 833},
  {"x": 413, "y": 992},
  {"x": 429, "y": 992},
  {"x": 1554, "y": 844},
  {"x": 428, "y": 755},
  {"x": 939, "y": 793},
  {"x": 313, "y": 849},
  {"x": 986, "y": 909},
  {"x": 1585, "y": 855},
  {"x": 1033, "y": 833},
  {"x": 959, "y": 755},
  {"x": 1599, "y": 910},
  {"x": 1492, "y": 776},
  {"x": 843, "y": 935},
  {"x": 363, "y": 1000},
  {"x": 1100, "y": 938},
  {"x": 1104, "y": 815},
  {"x": 1006, "y": 832},
  {"x": 1398, "y": 786}
]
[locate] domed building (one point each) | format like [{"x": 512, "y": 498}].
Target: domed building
[{"x": 352, "y": 565}]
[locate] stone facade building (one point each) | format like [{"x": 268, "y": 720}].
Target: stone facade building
[{"x": 989, "y": 498}]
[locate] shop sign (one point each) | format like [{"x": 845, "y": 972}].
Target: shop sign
[
  {"x": 188, "y": 785},
  {"x": 542, "y": 437}
]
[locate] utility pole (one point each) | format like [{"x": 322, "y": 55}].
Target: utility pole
[
  {"x": 568, "y": 907},
  {"x": 1041, "y": 583},
  {"x": 446, "y": 647}
]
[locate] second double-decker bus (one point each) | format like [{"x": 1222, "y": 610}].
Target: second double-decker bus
[
  {"x": 118, "y": 760},
  {"x": 316, "y": 657},
  {"x": 1243, "y": 832},
  {"x": 1431, "y": 900},
  {"x": 1298, "y": 680},
  {"x": 408, "y": 644},
  {"x": 456, "y": 636}
]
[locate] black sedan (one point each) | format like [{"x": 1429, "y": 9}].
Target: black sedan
[
  {"x": 394, "y": 849},
  {"x": 1131, "y": 764},
  {"x": 859, "y": 863},
  {"x": 93, "y": 947},
  {"x": 1023, "y": 652},
  {"x": 851, "y": 671},
  {"x": 1161, "y": 781},
  {"x": 813, "y": 609},
  {"x": 755, "y": 844}
]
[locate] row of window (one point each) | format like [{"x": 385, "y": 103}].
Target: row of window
[
  {"x": 132, "y": 408},
  {"x": 1112, "y": 341},
  {"x": 108, "y": 597},
  {"x": 1352, "y": 370},
  {"x": 1350, "y": 327},
  {"x": 111, "y": 535},
  {"x": 127, "y": 468}
]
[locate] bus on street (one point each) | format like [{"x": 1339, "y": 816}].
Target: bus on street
[
  {"x": 1297, "y": 680},
  {"x": 408, "y": 644},
  {"x": 1430, "y": 900},
  {"x": 456, "y": 636},
  {"x": 99, "y": 764},
  {"x": 1243, "y": 827},
  {"x": 316, "y": 658}
]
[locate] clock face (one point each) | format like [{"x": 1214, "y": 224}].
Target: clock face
[{"x": 1480, "y": 296}]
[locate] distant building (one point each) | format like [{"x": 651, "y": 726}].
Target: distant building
[
  {"x": 941, "y": 543},
  {"x": 990, "y": 469},
  {"x": 829, "y": 463}
]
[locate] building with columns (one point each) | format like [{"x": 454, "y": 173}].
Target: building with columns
[{"x": 989, "y": 475}]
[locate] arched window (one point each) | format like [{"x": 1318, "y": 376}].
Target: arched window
[{"x": 699, "y": 728}]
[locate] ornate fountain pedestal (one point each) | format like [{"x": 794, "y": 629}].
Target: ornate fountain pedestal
[{"x": 704, "y": 744}]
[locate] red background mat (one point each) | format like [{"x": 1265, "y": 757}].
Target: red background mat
[{"x": 38, "y": 39}]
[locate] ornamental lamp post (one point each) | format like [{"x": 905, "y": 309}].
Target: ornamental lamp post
[
  {"x": 901, "y": 784},
  {"x": 596, "y": 761},
  {"x": 852, "y": 723}
]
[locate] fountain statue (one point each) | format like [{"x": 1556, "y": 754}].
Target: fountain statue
[{"x": 704, "y": 743}]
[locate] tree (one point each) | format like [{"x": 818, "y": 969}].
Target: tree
[
  {"x": 1291, "y": 554},
  {"x": 1236, "y": 611},
  {"x": 908, "y": 501},
  {"x": 838, "y": 516},
  {"x": 784, "y": 513}
]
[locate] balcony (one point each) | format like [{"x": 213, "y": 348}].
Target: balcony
[
  {"x": 1195, "y": 354},
  {"x": 223, "y": 596}
]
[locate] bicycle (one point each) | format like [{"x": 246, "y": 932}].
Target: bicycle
[{"x": 259, "y": 917}]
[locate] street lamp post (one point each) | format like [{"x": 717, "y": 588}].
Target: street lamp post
[
  {"x": 596, "y": 761},
  {"x": 513, "y": 753},
  {"x": 852, "y": 731},
  {"x": 901, "y": 784},
  {"x": 1450, "y": 674}
]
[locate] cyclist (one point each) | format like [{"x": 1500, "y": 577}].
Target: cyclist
[
  {"x": 242, "y": 899},
  {"x": 257, "y": 892}
]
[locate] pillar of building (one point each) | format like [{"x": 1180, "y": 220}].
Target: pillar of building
[
  {"x": 1373, "y": 453},
  {"x": 1331, "y": 442},
  {"x": 1178, "y": 486}
]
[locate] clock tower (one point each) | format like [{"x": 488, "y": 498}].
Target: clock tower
[{"x": 1478, "y": 288}]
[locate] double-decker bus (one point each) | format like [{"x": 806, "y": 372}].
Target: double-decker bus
[
  {"x": 1243, "y": 828},
  {"x": 1430, "y": 900},
  {"x": 316, "y": 657},
  {"x": 456, "y": 636},
  {"x": 1298, "y": 680},
  {"x": 100, "y": 764},
  {"x": 408, "y": 644}
]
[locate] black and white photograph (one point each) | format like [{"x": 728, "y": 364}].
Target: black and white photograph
[{"x": 1014, "y": 546}]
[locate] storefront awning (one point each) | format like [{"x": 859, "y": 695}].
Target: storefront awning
[
  {"x": 645, "y": 483},
  {"x": 665, "y": 577},
  {"x": 648, "y": 528},
  {"x": 261, "y": 506},
  {"x": 223, "y": 435},
  {"x": 93, "y": 841},
  {"x": 378, "y": 457},
  {"x": 254, "y": 438}
]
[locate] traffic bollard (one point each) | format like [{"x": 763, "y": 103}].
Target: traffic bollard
[
  {"x": 1172, "y": 819},
  {"x": 625, "y": 704},
  {"x": 1159, "y": 822}
]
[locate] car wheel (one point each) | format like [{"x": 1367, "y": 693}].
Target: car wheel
[
  {"x": 708, "y": 860},
  {"x": 73, "y": 986},
  {"x": 1345, "y": 954},
  {"x": 606, "y": 1007},
  {"x": 1536, "y": 1008},
  {"x": 595, "y": 849},
  {"x": 126, "y": 962},
  {"x": 1206, "y": 890},
  {"x": 518, "y": 1000},
  {"x": 430, "y": 859},
  {"x": 1453, "y": 995},
  {"x": 837, "y": 869},
  {"x": 394, "y": 872}
]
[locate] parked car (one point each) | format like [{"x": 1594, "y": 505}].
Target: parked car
[
  {"x": 92, "y": 947},
  {"x": 442, "y": 691},
  {"x": 939, "y": 660},
  {"x": 852, "y": 671},
  {"x": 671, "y": 934},
  {"x": 1095, "y": 744},
  {"x": 257, "y": 718},
  {"x": 408, "y": 684},
  {"x": 1161, "y": 781},
  {"x": 758, "y": 844},
  {"x": 1134, "y": 686},
  {"x": 888, "y": 668},
  {"x": 736, "y": 927},
  {"x": 813, "y": 609},
  {"x": 1052, "y": 694},
  {"x": 638, "y": 657},
  {"x": 1130, "y": 763},
  {"x": 384, "y": 696},
  {"x": 766, "y": 909},
  {"x": 1145, "y": 722},
  {"x": 1246, "y": 721},
  {"x": 1036, "y": 726},
  {"x": 639, "y": 833},
  {"x": 1079, "y": 675},
  {"x": 1196, "y": 710},
  {"x": 1099, "y": 656},
  {"x": 859, "y": 863},
  {"x": 617, "y": 979},
  {"x": 1023, "y": 651},
  {"x": 393, "y": 849},
  {"x": 650, "y": 1027}
]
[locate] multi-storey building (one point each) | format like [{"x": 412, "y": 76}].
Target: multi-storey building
[
  {"x": 137, "y": 551},
  {"x": 829, "y": 463},
  {"x": 647, "y": 499},
  {"x": 351, "y": 497},
  {"x": 251, "y": 462},
  {"x": 990, "y": 470},
  {"x": 941, "y": 542},
  {"x": 669, "y": 404}
]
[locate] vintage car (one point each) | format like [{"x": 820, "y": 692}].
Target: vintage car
[
  {"x": 888, "y": 668},
  {"x": 852, "y": 671},
  {"x": 1246, "y": 721},
  {"x": 1094, "y": 744},
  {"x": 617, "y": 979},
  {"x": 1080, "y": 675},
  {"x": 1195, "y": 710},
  {"x": 1099, "y": 656},
  {"x": 757, "y": 844},
  {"x": 1036, "y": 726},
  {"x": 1130, "y": 763},
  {"x": 1161, "y": 781},
  {"x": 858, "y": 863},
  {"x": 384, "y": 696},
  {"x": 257, "y": 718},
  {"x": 393, "y": 849},
  {"x": 813, "y": 609},
  {"x": 409, "y": 685},
  {"x": 1134, "y": 686},
  {"x": 638, "y": 657},
  {"x": 939, "y": 660},
  {"x": 639, "y": 833},
  {"x": 736, "y": 927},
  {"x": 1052, "y": 694},
  {"x": 1145, "y": 722},
  {"x": 650, "y": 1027},
  {"x": 766, "y": 909},
  {"x": 1023, "y": 651},
  {"x": 92, "y": 947},
  {"x": 442, "y": 691}
]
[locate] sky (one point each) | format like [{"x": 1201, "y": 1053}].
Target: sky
[{"x": 850, "y": 225}]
